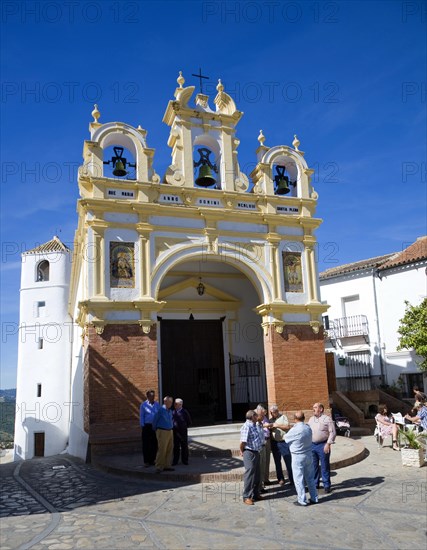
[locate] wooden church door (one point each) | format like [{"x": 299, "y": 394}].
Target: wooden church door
[{"x": 192, "y": 367}]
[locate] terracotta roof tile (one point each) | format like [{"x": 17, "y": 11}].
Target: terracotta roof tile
[
  {"x": 55, "y": 245},
  {"x": 356, "y": 266},
  {"x": 415, "y": 252}
]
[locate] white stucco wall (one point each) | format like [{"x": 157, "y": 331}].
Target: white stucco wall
[
  {"x": 391, "y": 289},
  {"x": 397, "y": 285},
  {"x": 43, "y": 356},
  {"x": 334, "y": 291}
]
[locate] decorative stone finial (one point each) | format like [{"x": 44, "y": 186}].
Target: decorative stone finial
[
  {"x": 296, "y": 143},
  {"x": 261, "y": 138},
  {"x": 220, "y": 86},
  {"x": 180, "y": 80},
  {"x": 95, "y": 113}
]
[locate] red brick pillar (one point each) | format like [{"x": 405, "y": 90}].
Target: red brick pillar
[
  {"x": 296, "y": 368},
  {"x": 120, "y": 366}
]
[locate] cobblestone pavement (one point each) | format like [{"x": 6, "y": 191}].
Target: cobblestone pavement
[{"x": 59, "y": 503}]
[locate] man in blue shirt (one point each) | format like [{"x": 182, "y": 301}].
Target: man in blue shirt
[
  {"x": 250, "y": 446},
  {"x": 148, "y": 436},
  {"x": 299, "y": 439},
  {"x": 163, "y": 426}
]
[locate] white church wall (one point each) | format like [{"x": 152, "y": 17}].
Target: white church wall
[
  {"x": 119, "y": 217},
  {"x": 78, "y": 438},
  {"x": 289, "y": 230},
  {"x": 178, "y": 221},
  {"x": 243, "y": 227}
]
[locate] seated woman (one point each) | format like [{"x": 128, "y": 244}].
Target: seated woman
[
  {"x": 386, "y": 426},
  {"x": 420, "y": 416}
]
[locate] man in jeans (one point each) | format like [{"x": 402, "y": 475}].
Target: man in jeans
[
  {"x": 279, "y": 448},
  {"x": 299, "y": 439},
  {"x": 250, "y": 446},
  {"x": 324, "y": 434}
]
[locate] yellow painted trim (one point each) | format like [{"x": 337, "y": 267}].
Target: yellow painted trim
[
  {"x": 200, "y": 305},
  {"x": 208, "y": 274},
  {"x": 192, "y": 282}
]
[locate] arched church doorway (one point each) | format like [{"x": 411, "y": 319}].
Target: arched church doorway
[{"x": 211, "y": 349}]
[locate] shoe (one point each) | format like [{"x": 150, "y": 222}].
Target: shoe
[
  {"x": 158, "y": 471},
  {"x": 297, "y": 503},
  {"x": 316, "y": 501},
  {"x": 282, "y": 482},
  {"x": 257, "y": 497},
  {"x": 248, "y": 501},
  {"x": 327, "y": 489},
  {"x": 169, "y": 469}
]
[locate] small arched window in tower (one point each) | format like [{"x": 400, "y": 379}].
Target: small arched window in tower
[
  {"x": 43, "y": 271},
  {"x": 205, "y": 168},
  {"x": 120, "y": 163},
  {"x": 282, "y": 180}
]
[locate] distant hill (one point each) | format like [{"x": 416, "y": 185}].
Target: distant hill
[
  {"x": 8, "y": 395},
  {"x": 7, "y": 417}
]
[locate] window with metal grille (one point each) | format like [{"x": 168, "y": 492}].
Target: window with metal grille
[
  {"x": 249, "y": 368},
  {"x": 359, "y": 370}
]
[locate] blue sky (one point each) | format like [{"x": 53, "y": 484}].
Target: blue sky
[{"x": 347, "y": 77}]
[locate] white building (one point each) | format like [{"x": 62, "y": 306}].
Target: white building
[
  {"x": 44, "y": 352},
  {"x": 367, "y": 301}
]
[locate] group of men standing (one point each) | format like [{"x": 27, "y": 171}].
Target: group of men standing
[
  {"x": 305, "y": 448},
  {"x": 164, "y": 432}
]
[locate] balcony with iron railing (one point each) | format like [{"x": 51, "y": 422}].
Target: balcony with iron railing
[{"x": 347, "y": 327}]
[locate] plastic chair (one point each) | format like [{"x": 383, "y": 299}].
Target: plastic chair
[{"x": 378, "y": 436}]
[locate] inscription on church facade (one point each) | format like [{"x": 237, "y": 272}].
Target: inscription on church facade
[
  {"x": 120, "y": 194},
  {"x": 246, "y": 205},
  {"x": 170, "y": 199},
  {"x": 209, "y": 202},
  {"x": 287, "y": 210}
]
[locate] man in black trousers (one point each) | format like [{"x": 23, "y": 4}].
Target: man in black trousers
[
  {"x": 181, "y": 423},
  {"x": 148, "y": 436}
]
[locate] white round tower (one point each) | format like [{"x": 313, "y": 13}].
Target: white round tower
[{"x": 44, "y": 352}]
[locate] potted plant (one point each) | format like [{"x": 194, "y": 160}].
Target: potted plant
[{"x": 413, "y": 452}]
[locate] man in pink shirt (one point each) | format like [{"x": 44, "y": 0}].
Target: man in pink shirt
[{"x": 324, "y": 434}]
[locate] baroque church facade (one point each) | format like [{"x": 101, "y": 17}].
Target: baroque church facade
[{"x": 196, "y": 284}]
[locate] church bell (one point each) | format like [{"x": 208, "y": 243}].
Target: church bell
[
  {"x": 282, "y": 181},
  {"x": 205, "y": 177},
  {"x": 282, "y": 185},
  {"x": 119, "y": 169},
  {"x": 119, "y": 163}
]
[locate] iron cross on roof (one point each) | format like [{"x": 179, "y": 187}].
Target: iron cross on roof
[{"x": 200, "y": 76}]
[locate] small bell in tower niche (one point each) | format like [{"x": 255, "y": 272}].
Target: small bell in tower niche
[
  {"x": 205, "y": 177},
  {"x": 282, "y": 181},
  {"x": 119, "y": 163}
]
